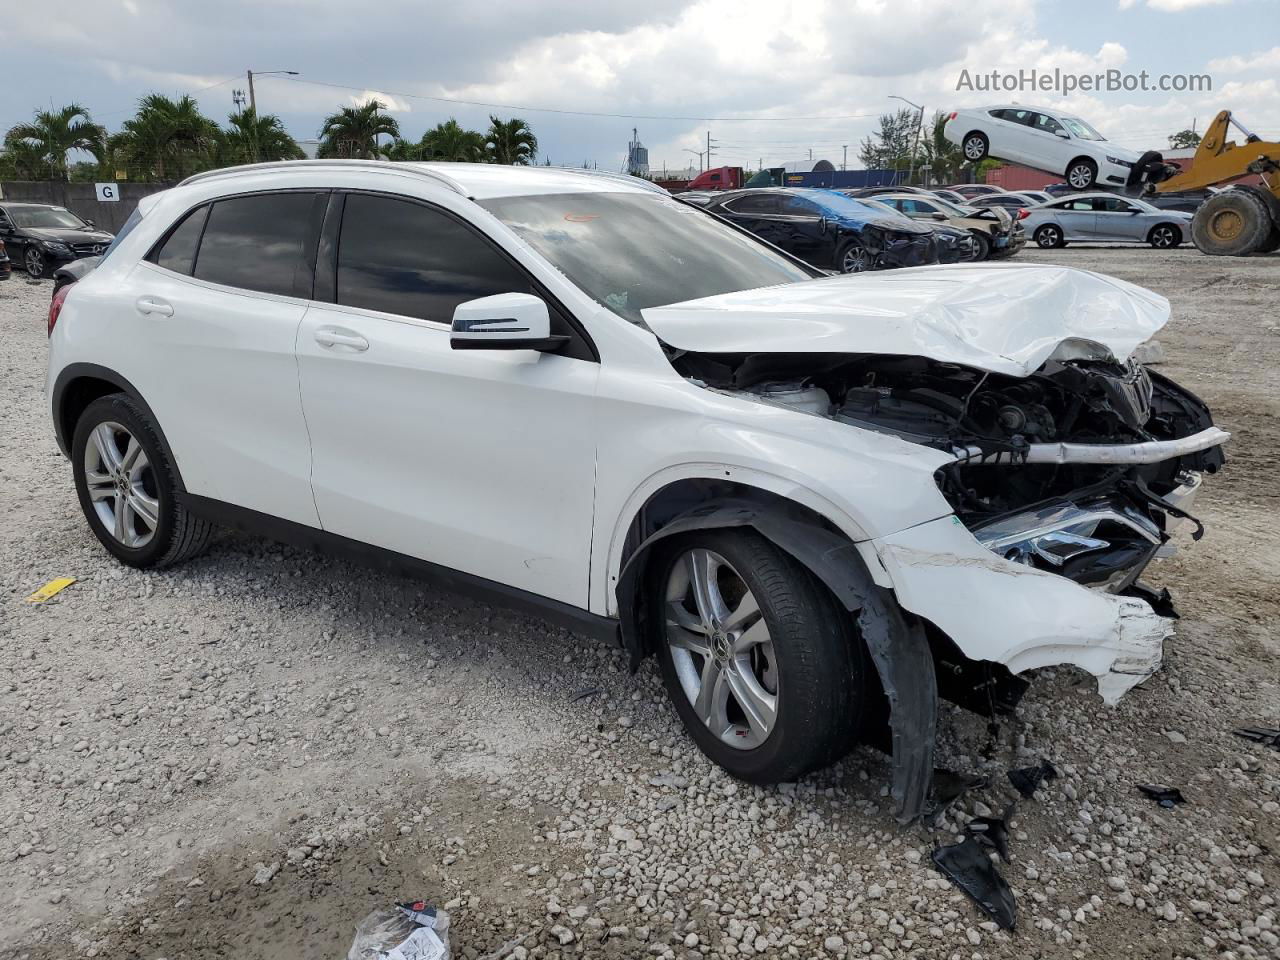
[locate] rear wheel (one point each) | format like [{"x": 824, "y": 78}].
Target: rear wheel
[
  {"x": 1082, "y": 173},
  {"x": 1049, "y": 236},
  {"x": 1233, "y": 223},
  {"x": 1164, "y": 236},
  {"x": 975, "y": 146},
  {"x": 127, "y": 488},
  {"x": 981, "y": 246},
  {"x": 763, "y": 666}
]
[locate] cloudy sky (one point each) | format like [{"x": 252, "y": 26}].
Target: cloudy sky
[{"x": 771, "y": 79}]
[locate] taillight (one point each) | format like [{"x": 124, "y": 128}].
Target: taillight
[
  {"x": 55, "y": 305},
  {"x": 951, "y": 116},
  {"x": 1023, "y": 213}
]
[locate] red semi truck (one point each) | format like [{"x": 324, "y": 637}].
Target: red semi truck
[{"x": 718, "y": 178}]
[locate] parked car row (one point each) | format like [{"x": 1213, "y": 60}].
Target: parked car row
[{"x": 42, "y": 237}]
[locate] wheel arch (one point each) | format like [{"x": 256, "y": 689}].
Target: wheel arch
[
  {"x": 78, "y": 385},
  {"x": 897, "y": 641}
]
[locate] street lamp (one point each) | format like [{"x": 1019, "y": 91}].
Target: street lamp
[
  {"x": 915, "y": 144},
  {"x": 698, "y": 154},
  {"x": 253, "y": 103}
]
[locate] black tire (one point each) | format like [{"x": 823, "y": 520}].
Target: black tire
[
  {"x": 1049, "y": 236},
  {"x": 981, "y": 246},
  {"x": 853, "y": 257},
  {"x": 975, "y": 146},
  {"x": 1233, "y": 223},
  {"x": 1164, "y": 236},
  {"x": 827, "y": 691},
  {"x": 1082, "y": 174},
  {"x": 1272, "y": 243},
  {"x": 177, "y": 535},
  {"x": 34, "y": 262}
]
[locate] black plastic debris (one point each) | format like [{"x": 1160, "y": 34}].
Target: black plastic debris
[
  {"x": 967, "y": 865},
  {"x": 992, "y": 832},
  {"x": 1026, "y": 780},
  {"x": 949, "y": 786},
  {"x": 1268, "y": 736},
  {"x": 583, "y": 694},
  {"x": 1165, "y": 796}
]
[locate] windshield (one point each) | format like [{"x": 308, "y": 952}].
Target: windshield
[
  {"x": 1082, "y": 129},
  {"x": 632, "y": 251},
  {"x": 45, "y": 217},
  {"x": 842, "y": 205},
  {"x": 884, "y": 208}
]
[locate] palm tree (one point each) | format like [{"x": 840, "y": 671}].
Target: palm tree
[
  {"x": 166, "y": 139},
  {"x": 511, "y": 141},
  {"x": 250, "y": 138},
  {"x": 402, "y": 150},
  {"x": 449, "y": 141},
  {"x": 43, "y": 143},
  {"x": 944, "y": 158},
  {"x": 354, "y": 131}
]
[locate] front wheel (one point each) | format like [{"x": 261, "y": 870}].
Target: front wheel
[
  {"x": 981, "y": 246},
  {"x": 853, "y": 258},
  {"x": 33, "y": 261},
  {"x": 764, "y": 668},
  {"x": 127, "y": 488},
  {"x": 1164, "y": 236},
  {"x": 1082, "y": 174}
]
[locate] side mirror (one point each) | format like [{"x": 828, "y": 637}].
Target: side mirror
[
  {"x": 90, "y": 223},
  {"x": 1063, "y": 134},
  {"x": 938, "y": 216},
  {"x": 505, "y": 321}
]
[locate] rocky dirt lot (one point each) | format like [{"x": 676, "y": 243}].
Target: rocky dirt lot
[{"x": 243, "y": 756}]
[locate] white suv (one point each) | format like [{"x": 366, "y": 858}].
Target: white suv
[
  {"x": 577, "y": 394},
  {"x": 1044, "y": 139}
]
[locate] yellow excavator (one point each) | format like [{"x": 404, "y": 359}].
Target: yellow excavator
[{"x": 1243, "y": 219}]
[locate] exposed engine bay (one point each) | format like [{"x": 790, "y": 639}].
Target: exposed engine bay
[{"x": 1080, "y": 469}]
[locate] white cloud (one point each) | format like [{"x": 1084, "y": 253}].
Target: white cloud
[
  {"x": 1174, "y": 6},
  {"x": 1267, "y": 60},
  {"x": 390, "y": 102}
]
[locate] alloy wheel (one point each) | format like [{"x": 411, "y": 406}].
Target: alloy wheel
[
  {"x": 1080, "y": 176},
  {"x": 33, "y": 260},
  {"x": 1047, "y": 237},
  {"x": 974, "y": 148},
  {"x": 855, "y": 260},
  {"x": 121, "y": 485},
  {"x": 1162, "y": 237},
  {"x": 721, "y": 649}
]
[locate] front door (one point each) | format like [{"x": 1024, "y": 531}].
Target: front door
[{"x": 478, "y": 460}]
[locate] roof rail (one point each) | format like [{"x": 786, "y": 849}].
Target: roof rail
[
  {"x": 619, "y": 178},
  {"x": 384, "y": 165}
]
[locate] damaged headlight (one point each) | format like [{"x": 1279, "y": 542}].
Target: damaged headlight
[{"x": 1103, "y": 544}]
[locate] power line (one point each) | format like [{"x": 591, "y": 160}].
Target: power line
[{"x": 577, "y": 113}]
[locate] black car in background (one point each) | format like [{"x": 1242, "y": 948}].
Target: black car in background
[
  {"x": 828, "y": 229},
  {"x": 40, "y": 236},
  {"x": 6, "y": 270}
]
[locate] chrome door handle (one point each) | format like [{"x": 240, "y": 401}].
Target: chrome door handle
[
  {"x": 335, "y": 337},
  {"x": 149, "y": 305}
]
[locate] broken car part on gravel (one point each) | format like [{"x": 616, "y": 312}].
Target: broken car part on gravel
[
  {"x": 967, "y": 865},
  {"x": 1165, "y": 796},
  {"x": 1027, "y": 780},
  {"x": 1270, "y": 736}
]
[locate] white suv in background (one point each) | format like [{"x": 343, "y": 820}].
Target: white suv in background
[
  {"x": 576, "y": 394},
  {"x": 1044, "y": 139}
]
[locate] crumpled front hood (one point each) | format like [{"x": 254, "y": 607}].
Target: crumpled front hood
[{"x": 1007, "y": 318}]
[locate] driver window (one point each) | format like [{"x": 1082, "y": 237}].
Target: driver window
[{"x": 1046, "y": 124}]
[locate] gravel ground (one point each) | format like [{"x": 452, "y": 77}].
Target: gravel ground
[{"x": 243, "y": 756}]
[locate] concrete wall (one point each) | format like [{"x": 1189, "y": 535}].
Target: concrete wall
[{"x": 81, "y": 198}]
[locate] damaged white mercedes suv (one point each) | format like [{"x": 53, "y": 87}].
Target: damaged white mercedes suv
[{"x": 821, "y": 502}]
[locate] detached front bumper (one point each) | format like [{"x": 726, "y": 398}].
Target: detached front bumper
[{"x": 1006, "y": 612}]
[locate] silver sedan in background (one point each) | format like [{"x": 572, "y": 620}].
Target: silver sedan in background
[{"x": 1105, "y": 218}]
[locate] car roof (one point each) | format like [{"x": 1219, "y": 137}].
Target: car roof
[{"x": 479, "y": 181}]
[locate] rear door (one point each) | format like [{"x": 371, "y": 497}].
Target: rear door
[
  {"x": 478, "y": 460},
  {"x": 1077, "y": 218},
  {"x": 218, "y": 302}
]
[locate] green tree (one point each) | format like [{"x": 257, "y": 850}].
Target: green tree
[
  {"x": 510, "y": 141},
  {"x": 402, "y": 150},
  {"x": 39, "y": 148},
  {"x": 249, "y": 138},
  {"x": 165, "y": 140},
  {"x": 450, "y": 141},
  {"x": 1184, "y": 139},
  {"x": 943, "y": 157},
  {"x": 353, "y": 132},
  {"x": 889, "y": 148}
]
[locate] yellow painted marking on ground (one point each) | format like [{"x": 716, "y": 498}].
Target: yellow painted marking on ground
[{"x": 51, "y": 589}]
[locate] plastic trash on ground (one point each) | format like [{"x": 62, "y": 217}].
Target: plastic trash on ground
[{"x": 407, "y": 931}]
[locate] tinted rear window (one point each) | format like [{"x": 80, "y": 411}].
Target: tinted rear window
[
  {"x": 261, "y": 242},
  {"x": 178, "y": 252}
]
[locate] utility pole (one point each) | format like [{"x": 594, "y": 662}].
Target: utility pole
[
  {"x": 709, "y": 143},
  {"x": 844, "y": 164},
  {"x": 915, "y": 143},
  {"x": 253, "y": 101},
  {"x": 696, "y": 153}
]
